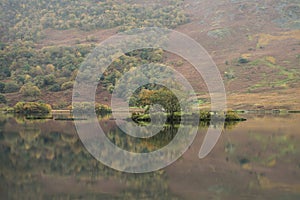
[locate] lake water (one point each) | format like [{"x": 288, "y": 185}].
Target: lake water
[{"x": 256, "y": 159}]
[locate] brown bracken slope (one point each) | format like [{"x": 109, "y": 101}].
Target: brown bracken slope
[{"x": 264, "y": 33}]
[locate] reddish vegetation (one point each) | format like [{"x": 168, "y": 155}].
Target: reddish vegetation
[{"x": 236, "y": 27}]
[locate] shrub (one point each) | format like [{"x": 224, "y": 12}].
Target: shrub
[
  {"x": 29, "y": 90},
  {"x": 32, "y": 108},
  {"x": 2, "y": 86},
  {"x": 11, "y": 87},
  {"x": 54, "y": 88},
  {"x": 204, "y": 115},
  {"x": 232, "y": 116},
  {"x": 243, "y": 60},
  {"x": 49, "y": 79},
  {"x": 39, "y": 81},
  {"x": 89, "y": 107},
  {"x": 111, "y": 88},
  {"x": 83, "y": 107},
  {"x": 67, "y": 85},
  {"x": 2, "y": 99},
  {"x": 102, "y": 109},
  {"x": 229, "y": 75},
  {"x": 60, "y": 105}
]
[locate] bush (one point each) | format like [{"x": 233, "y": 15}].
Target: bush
[
  {"x": 205, "y": 115},
  {"x": 89, "y": 107},
  {"x": 11, "y": 87},
  {"x": 32, "y": 108},
  {"x": 111, "y": 88},
  {"x": 2, "y": 86},
  {"x": 102, "y": 109},
  {"x": 243, "y": 60},
  {"x": 39, "y": 81},
  {"x": 229, "y": 75},
  {"x": 232, "y": 116},
  {"x": 55, "y": 88},
  {"x": 83, "y": 107},
  {"x": 67, "y": 85},
  {"x": 2, "y": 99},
  {"x": 29, "y": 90},
  {"x": 49, "y": 79}
]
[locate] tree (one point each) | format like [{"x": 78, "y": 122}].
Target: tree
[
  {"x": 11, "y": 87},
  {"x": 163, "y": 96},
  {"x": 30, "y": 90},
  {"x": 49, "y": 79},
  {"x": 67, "y": 85},
  {"x": 36, "y": 71},
  {"x": 167, "y": 99},
  {"x": 2, "y": 99},
  {"x": 145, "y": 97},
  {"x": 50, "y": 68},
  {"x": 2, "y": 86},
  {"x": 54, "y": 88}
]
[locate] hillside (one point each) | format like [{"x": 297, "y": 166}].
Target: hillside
[{"x": 255, "y": 44}]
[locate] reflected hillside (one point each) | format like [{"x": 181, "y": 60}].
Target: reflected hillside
[{"x": 44, "y": 159}]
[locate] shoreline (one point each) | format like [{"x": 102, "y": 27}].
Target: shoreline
[{"x": 266, "y": 111}]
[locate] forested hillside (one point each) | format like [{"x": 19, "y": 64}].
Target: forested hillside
[
  {"x": 254, "y": 44},
  {"x": 29, "y": 69}
]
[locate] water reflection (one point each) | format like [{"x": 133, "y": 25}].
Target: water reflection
[{"x": 44, "y": 159}]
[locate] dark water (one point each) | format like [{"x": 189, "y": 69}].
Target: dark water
[{"x": 256, "y": 159}]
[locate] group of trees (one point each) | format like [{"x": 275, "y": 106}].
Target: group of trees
[
  {"x": 24, "y": 62},
  {"x": 31, "y": 71},
  {"x": 32, "y": 108},
  {"x": 26, "y": 19}
]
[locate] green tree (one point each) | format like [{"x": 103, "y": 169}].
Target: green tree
[
  {"x": 2, "y": 99},
  {"x": 2, "y": 86},
  {"x": 30, "y": 90},
  {"x": 163, "y": 96},
  {"x": 67, "y": 85},
  {"x": 11, "y": 87},
  {"x": 49, "y": 79},
  {"x": 36, "y": 71},
  {"x": 54, "y": 88},
  {"x": 167, "y": 99}
]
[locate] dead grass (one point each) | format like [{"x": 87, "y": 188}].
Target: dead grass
[{"x": 264, "y": 39}]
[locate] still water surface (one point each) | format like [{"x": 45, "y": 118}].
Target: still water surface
[{"x": 256, "y": 159}]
